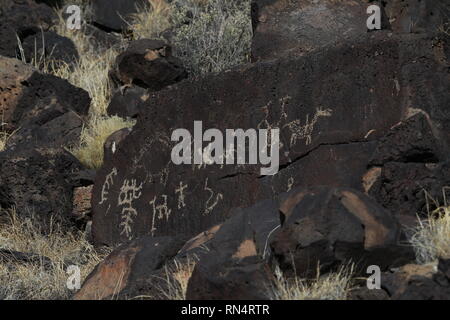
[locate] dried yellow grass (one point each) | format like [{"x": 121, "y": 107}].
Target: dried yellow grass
[
  {"x": 151, "y": 20},
  {"x": 431, "y": 238},
  {"x": 31, "y": 281},
  {"x": 93, "y": 137},
  {"x": 333, "y": 286}
]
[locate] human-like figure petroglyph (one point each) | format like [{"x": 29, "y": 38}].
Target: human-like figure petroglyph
[
  {"x": 160, "y": 211},
  {"x": 213, "y": 199},
  {"x": 109, "y": 181},
  {"x": 181, "y": 196},
  {"x": 128, "y": 192}
]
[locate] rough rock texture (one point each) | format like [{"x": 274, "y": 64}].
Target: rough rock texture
[
  {"x": 299, "y": 26},
  {"x": 39, "y": 183},
  {"x": 23, "y": 18},
  {"x": 130, "y": 270},
  {"x": 148, "y": 64},
  {"x": 414, "y": 16},
  {"x": 233, "y": 263},
  {"x": 112, "y": 143},
  {"x": 82, "y": 209},
  {"x": 49, "y": 46},
  {"x": 44, "y": 109},
  {"x": 418, "y": 282},
  {"x": 126, "y": 104},
  {"x": 329, "y": 129},
  {"x": 333, "y": 226},
  {"x": 113, "y": 15}
]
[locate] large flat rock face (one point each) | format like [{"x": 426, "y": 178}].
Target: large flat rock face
[
  {"x": 299, "y": 26},
  {"x": 330, "y": 106}
]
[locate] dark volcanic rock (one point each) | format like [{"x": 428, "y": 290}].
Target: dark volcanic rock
[
  {"x": 333, "y": 226},
  {"x": 42, "y": 109},
  {"x": 148, "y": 64},
  {"x": 112, "y": 143},
  {"x": 330, "y": 107},
  {"x": 23, "y": 18},
  {"x": 131, "y": 270},
  {"x": 38, "y": 182},
  {"x": 413, "y": 16},
  {"x": 404, "y": 188},
  {"x": 300, "y": 26},
  {"x": 126, "y": 104},
  {"x": 233, "y": 263},
  {"x": 49, "y": 46},
  {"x": 113, "y": 15},
  {"x": 418, "y": 282},
  {"x": 296, "y": 27}
]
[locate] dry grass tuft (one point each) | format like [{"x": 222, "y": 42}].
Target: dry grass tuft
[
  {"x": 32, "y": 281},
  {"x": 333, "y": 286},
  {"x": 151, "y": 20},
  {"x": 93, "y": 137},
  {"x": 177, "y": 279},
  {"x": 208, "y": 35},
  {"x": 431, "y": 238}
]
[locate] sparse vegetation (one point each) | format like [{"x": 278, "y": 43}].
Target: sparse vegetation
[
  {"x": 431, "y": 238},
  {"x": 93, "y": 137},
  {"x": 208, "y": 35},
  {"x": 33, "y": 280},
  {"x": 332, "y": 286}
]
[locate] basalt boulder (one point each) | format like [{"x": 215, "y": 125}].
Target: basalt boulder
[
  {"x": 148, "y": 64},
  {"x": 113, "y": 15},
  {"x": 40, "y": 109},
  {"x": 331, "y": 107},
  {"x": 418, "y": 282},
  {"x": 19, "y": 19},
  {"x": 49, "y": 47},
  {"x": 39, "y": 184},
  {"x": 132, "y": 271},
  {"x": 297, "y": 27},
  {"x": 233, "y": 263},
  {"x": 327, "y": 227},
  {"x": 125, "y": 104}
]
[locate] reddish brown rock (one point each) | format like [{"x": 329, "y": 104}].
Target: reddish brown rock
[
  {"x": 82, "y": 209},
  {"x": 333, "y": 226},
  {"x": 130, "y": 271},
  {"x": 42, "y": 109}
]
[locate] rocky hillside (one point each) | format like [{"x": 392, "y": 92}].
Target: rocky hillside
[{"x": 353, "y": 123}]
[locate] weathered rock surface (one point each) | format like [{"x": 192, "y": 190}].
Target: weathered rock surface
[
  {"x": 148, "y": 64},
  {"x": 331, "y": 108},
  {"x": 39, "y": 183},
  {"x": 413, "y": 16},
  {"x": 297, "y": 27},
  {"x": 418, "y": 282},
  {"x": 233, "y": 263},
  {"x": 334, "y": 226},
  {"x": 43, "y": 109},
  {"x": 131, "y": 270},
  {"x": 22, "y": 18},
  {"x": 126, "y": 104},
  {"x": 49, "y": 47},
  {"x": 113, "y": 15}
]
